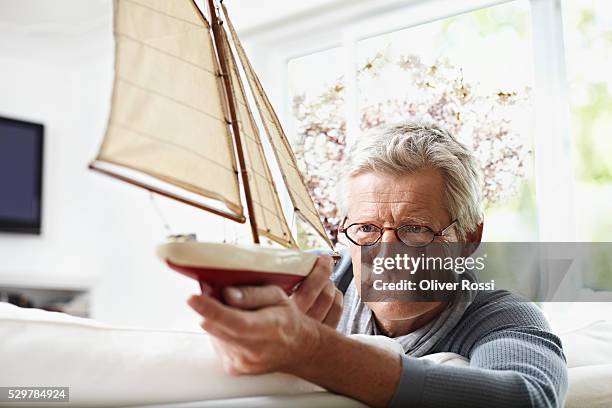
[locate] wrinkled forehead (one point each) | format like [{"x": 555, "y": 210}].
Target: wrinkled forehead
[{"x": 387, "y": 198}]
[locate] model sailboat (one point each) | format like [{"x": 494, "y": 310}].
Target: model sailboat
[{"x": 181, "y": 125}]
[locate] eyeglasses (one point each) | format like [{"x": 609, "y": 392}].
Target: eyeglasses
[{"x": 416, "y": 236}]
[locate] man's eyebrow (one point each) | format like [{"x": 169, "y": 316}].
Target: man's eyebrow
[
  {"x": 408, "y": 220},
  {"x": 415, "y": 220},
  {"x": 364, "y": 219}
]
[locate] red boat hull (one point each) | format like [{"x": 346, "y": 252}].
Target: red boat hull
[{"x": 218, "y": 278}]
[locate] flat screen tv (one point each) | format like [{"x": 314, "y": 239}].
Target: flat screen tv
[{"x": 21, "y": 170}]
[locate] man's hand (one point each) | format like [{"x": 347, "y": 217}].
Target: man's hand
[
  {"x": 263, "y": 332},
  {"x": 317, "y": 296}
]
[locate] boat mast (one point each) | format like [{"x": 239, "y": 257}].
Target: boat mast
[{"x": 224, "y": 73}]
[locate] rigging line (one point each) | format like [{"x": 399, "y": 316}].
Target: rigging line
[
  {"x": 293, "y": 220},
  {"x": 293, "y": 227},
  {"x": 160, "y": 214}
]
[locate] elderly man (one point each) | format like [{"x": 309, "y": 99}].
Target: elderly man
[{"x": 409, "y": 177}]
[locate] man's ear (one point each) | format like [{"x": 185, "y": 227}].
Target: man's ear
[
  {"x": 472, "y": 240},
  {"x": 476, "y": 235}
]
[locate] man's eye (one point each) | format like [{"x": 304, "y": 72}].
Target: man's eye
[
  {"x": 367, "y": 228},
  {"x": 416, "y": 229}
]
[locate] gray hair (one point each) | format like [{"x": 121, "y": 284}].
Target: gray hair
[{"x": 409, "y": 146}]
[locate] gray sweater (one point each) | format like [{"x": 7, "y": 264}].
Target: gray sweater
[{"x": 515, "y": 361}]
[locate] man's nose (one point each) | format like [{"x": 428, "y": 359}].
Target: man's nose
[{"x": 388, "y": 235}]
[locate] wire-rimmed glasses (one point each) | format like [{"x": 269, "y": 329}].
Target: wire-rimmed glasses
[{"x": 416, "y": 236}]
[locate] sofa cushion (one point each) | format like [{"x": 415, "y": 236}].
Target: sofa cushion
[
  {"x": 589, "y": 345},
  {"x": 106, "y": 365}
]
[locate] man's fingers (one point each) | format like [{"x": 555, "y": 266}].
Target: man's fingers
[
  {"x": 205, "y": 288},
  {"x": 230, "y": 320},
  {"x": 324, "y": 302},
  {"x": 216, "y": 331},
  {"x": 308, "y": 292},
  {"x": 335, "y": 312},
  {"x": 254, "y": 297}
]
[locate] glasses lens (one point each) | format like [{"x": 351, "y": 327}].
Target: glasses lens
[
  {"x": 363, "y": 234},
  {"x": 415, "y": 235}
]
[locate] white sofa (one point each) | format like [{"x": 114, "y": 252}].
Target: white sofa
[{"x": 113, "y": 366}]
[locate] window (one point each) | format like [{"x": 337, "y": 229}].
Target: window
[
  {"x": 473, "y": 72},
  {"x": 588, "y": 39}
]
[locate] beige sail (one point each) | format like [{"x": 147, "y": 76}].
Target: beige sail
[
  {"x": 271, "y": 221},
  {"x": 168, "y": 118},
  {"x": 296, "y": 187}
]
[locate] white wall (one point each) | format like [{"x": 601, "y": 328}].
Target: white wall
[
  {"x": 47, "y": 93},
  {"x": 95, "y": 230}
]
